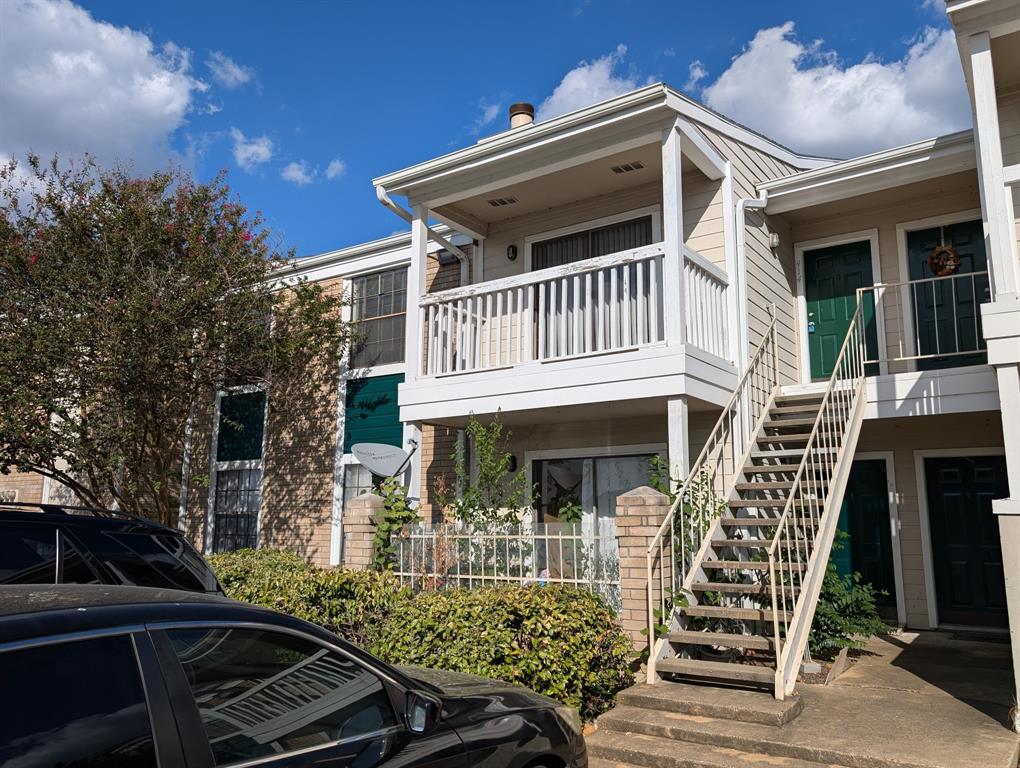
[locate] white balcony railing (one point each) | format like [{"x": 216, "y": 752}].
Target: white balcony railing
[
  {"x": 607, "y": 304},
  {"x": 935, "y": 318}
]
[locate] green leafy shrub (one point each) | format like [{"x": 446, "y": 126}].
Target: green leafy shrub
[
  {"x": 397, "y": 512},
  {"x": 560, "y": 642},
  {"x": 846, "y": 615},
  {"x": 353, "y": 604}
]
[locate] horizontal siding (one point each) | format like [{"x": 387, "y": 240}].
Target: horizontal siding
[{"x": 771, "y": 278}]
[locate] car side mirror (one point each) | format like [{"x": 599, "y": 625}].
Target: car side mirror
[{"x": 421, "y": 712}]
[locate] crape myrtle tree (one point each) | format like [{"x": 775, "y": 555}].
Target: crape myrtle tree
[{"x": 125, "y": 302}]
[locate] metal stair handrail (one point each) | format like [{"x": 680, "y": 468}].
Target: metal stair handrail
[
  {"x": 709, "y": 483},
  {"x": 806, "y": 518}
]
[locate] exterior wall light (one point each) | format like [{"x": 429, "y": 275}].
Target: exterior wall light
[{"x": 511, "y": 252}]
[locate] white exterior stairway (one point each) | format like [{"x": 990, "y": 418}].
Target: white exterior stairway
[{"x": 738, "y": 563}]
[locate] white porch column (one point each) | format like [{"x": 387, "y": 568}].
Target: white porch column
[
  {"x": 412, "y": 432},
  {"x": 415, "y": 290},
  {"x": 674, "y": 296},
  {"x": 996, "y": 197},
  {"x": 678, "y": 442}
]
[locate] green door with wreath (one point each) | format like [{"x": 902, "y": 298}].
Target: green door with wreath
[{"x": 946, "y": 314}]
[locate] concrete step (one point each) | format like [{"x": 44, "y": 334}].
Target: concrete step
[
  {"x": 617, "y": 750},
  {"x": 732, "y": 612},
  {"x": 711, "y": 701},
  {"x": 748, "y": 565},
  {"x": 649, "y": 738},
  {"x": 717, "y": 670},
  {"x": 722, "y": 639},
  {"x": 742, "y": 543},
  {"x": 623, "y": 750}
]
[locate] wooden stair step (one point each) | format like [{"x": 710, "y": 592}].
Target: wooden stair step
[
  {"x": 765, "y": 469},
  {"x": 799, "y": 398},
  {"x": 786, "y": 423},
  {"x": 732, "y": 612},
  {"x": 723, "y": 639},
  {"x": 735, "y": 589},
  {"x": 784, "y": 410},
  {"x": 776, "y": 453},
  {"x": 717, "y": 670},
  {"x": 793, "y": 437},
  {"x": 777, "y": 485},
  {"x": 747, "y": 565},
  {"x": 738, "y": 543},
  {"x": 765, "y": 503},
  {"x": 752, "y": 522}
]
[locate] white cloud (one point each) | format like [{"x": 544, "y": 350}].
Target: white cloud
[
  {"x": 228, "y": 72},
  {"x": 588, "y": 83},
  {"x": 336, "y": 169},
  {"x": 251, "y": 152},
  {"x": 807, "y": 98},
  {"x": 488, "y": 113},
  {"x": 935, "y": 6},
  {"x": 72, "y": 84},
  {"x": 696, "y": 72},
  {"x": 298, "y": 173}
]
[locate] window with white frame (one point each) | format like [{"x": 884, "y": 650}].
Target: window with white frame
[
  {"x": 237, "y": 469},
  {"x": 380, "y": 306}
]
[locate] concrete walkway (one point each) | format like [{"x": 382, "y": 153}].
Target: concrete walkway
[{"x": 919, "y": 698}]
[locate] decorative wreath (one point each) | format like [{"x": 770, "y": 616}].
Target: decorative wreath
[{"x": 943, "y": 260}]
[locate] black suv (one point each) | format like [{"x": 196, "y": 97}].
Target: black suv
[
  {"x": 127, "y": 676},
  {"x": 57, "y": 544}
]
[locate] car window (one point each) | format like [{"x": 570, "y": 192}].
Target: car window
[
  {"x": 159, "y": 560},
  {"x": 28, "y": 554},
  {"x": 265, "y": 693},
  {"x": 79, "y": 703},
  {"x": 73, "y": 568}
]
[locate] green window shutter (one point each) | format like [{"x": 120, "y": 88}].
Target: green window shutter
[{"x": 372, "y": 415}]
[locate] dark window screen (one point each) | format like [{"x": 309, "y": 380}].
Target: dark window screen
[
  {"x": 242, "y": 419},
  {"x": 591, "y": 243},
  {"x": 236, "y": 509},
  {"x": 266, "y": 693},
  {"x": 74, "y": 704}
]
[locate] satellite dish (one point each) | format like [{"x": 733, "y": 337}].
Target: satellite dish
[{"x": 380, "y": 459}]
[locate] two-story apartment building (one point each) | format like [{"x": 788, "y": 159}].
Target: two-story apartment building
[{"x": 647, "y": 277}]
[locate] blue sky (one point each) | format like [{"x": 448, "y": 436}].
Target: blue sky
[{"x": 303, "y": 103}]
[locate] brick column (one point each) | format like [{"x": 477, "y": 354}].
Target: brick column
[
  {"x": 639, "y": 513},
  {"x": 359, "y": 531}
]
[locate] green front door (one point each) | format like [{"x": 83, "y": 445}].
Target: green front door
[
  {"x": 969, "y": 579},
  {"x": 864, "y": 516},
  {"x": 832, "y": 276},
  {"x": 947, "y": 320}
]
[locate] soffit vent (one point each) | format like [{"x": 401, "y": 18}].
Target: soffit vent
[
  {"x": 636, "y": 165},
  {"x": 498, "y": 202}
]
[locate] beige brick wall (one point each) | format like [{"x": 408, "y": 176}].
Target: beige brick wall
[
  {"x": 903, "y": 437},
  {"x": 27, "y": 485},
  {"x": 297, "y": 484},
  {"x": 639, "y": 513}
]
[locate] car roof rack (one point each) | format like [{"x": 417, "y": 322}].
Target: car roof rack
[{"x": 72, "y": 510}]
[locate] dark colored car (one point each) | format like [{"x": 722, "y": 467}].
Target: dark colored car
[
  {"x": 127, "y": 676},
  {"x": 58, "y": 544}
]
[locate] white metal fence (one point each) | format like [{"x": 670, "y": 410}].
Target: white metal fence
[{"x": 454, "y": 556}]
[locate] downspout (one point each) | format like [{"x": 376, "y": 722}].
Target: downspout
[
  {"x": 406, "y": 215},
  {"x": 743, "y": 205}
]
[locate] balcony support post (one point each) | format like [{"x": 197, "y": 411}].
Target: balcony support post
[
  {"x": 996, "y": 196},
  {"x": 678, "y": 428},
  {"x": 673, "y": 293}
]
